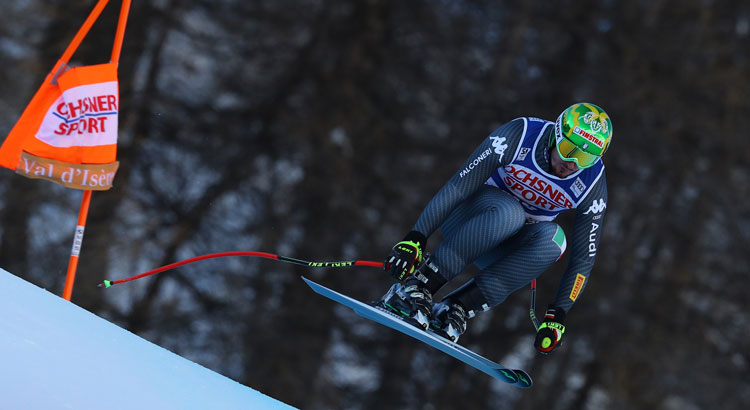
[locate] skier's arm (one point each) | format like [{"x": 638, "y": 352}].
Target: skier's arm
[
  {"x": 587, "y": 232},
  {"x": 496, "y": 151}
]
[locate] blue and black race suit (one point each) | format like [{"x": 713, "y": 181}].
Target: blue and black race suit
[{"x": 497, "y": 213}]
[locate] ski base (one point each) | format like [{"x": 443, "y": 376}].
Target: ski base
[{"x": 387, "y": 318}]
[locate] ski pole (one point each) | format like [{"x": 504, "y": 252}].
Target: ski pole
[
  {"x": 532, "y": 308},
  {"x": 340, "y": 264}
]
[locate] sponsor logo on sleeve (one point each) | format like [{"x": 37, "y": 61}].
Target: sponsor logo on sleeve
[
  {"x": 596, "y": 207},
  {"x": 476, "y": 161},
  {"x": 498, "y": 143},
  {"x": 577, "y": 286},
  {"x": 592, "y": 239}
]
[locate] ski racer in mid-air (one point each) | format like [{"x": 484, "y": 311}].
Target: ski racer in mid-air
[{"x": 497, "y": 212}]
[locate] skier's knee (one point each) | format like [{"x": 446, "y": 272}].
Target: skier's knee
[
  {"x": 554, "y": 232},
  {"x": 509, "y": 213},
  {"x": 550, "y": 231}
]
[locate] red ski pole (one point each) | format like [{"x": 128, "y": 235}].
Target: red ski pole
[{"x": 339, "y": 264}]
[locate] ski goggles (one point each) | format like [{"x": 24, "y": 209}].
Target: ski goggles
[{"x": 571, "y": 153}]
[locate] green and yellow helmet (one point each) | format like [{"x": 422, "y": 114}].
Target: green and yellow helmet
[{"x": 582, "y": 134}]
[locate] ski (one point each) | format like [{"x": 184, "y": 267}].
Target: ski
[{"x": 387, "y": 318}]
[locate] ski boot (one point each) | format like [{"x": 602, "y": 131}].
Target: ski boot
[
  {"x": 450, "y": 315},
  {"x": 412, "y": 300},
  {"x": 448, "y": 320}
]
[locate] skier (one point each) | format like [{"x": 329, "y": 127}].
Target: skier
[{"x": 497, "y": 213}]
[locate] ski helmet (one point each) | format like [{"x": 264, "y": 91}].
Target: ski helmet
[{"x": 582, "y": 134}]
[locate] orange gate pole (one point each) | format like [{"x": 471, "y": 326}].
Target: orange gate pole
[
  {"x": 77, "y": 241},
  {"x": 86, "y": 200}
]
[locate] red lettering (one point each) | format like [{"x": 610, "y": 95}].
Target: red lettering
[
  {"x": 565, "y": 201},
  {"x": 552, "y": 194},
  {"x": 534, "y": 189},
  {"x": 560, "y": 198},
  {"x": 101, "y": 102},
  {"x": 102, "y": 120},
  {"x": 540, "y": 185},
  {"x": 530, "y": 181},
  {"x": 73, "y": 127},
  {"x": 62, "y": 129},
  {"x": 73, "y": 108},
  {"x": 93, "y": 125},
  {"x": 541, "y": 201},
  {"x": 61, "y": 109},
  {"x": 556, "y": 196},
  {"x": 112, "y": 100},
  {"x": 589, "y": 137}
]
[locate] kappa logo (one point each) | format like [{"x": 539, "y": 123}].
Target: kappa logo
[
  {"x": 498, "y": 143},
  {"x": 597, "y": 207}
]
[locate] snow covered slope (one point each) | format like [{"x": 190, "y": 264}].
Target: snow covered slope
[{"x": 56, "y": 355}]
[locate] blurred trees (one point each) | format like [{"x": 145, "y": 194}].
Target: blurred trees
[{"x": 320, "y": 128}]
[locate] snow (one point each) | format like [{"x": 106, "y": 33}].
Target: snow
[{"x": 56, "y": 355}]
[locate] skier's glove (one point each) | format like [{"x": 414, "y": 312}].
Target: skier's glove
[
  {"x": 405, "y": 256},
  {"x": 550, "y": 333}
]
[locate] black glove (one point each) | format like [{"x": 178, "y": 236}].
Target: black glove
[
  {"x": 405, "y": 256},
  {"x": 550, "y": 333}
]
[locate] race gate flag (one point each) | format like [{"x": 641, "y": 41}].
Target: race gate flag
[{"x": 68, "y": 132}]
